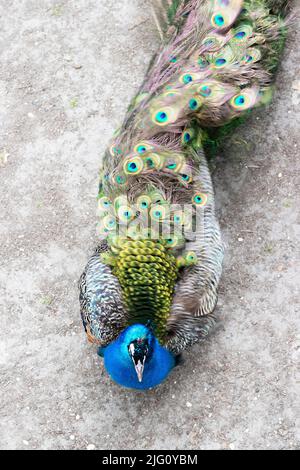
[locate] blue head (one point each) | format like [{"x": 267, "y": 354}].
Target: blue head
[{"x": 137, "y": 360}]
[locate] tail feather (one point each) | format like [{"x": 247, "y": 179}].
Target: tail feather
[
  {"x": 216, "y": 65},
  {"x": 167, "y": 15}
]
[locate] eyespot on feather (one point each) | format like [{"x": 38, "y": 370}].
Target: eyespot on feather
[
  {"x": 101, "y": 230},
  {"x": 199, "y": 199},
  {"x": 164, "y": 116},
  {"x": 133, "y": 165},
  {"x": 120, "y": 179},
  {"x": 143, "y": 202},
  {"x": 114, "y": 151},
  {"x": 159, "y": 212},
  {"x": 175, "y": 242},
  {"x": 185, "y": 175},
  {"x": 225, "y": 57},
  {"x": 109, "y": 222},
  {"x": 186, "y": 178},
  {"x": 244, "y": 100},
  {"x": 174, "y": 162},
  {"x": 143, "y": 147},
  {"x": 186, "y": 78},
  {"x": 218, "y": 20},
  {"x": 178, "y": 218},
  {"x": 194, "y": 104},
  {"x": 187, "y": 136},
  {"x": 125, "y": 214},
  {"x": 252, "y": 55},
  {"x": 191, "y": 258},
  {"x": 203, "y": 63},
  {"x": 104, "y": 203},
  {"x": 205, "y": 90},
  {"x": 225, "y": 12},
  {"x": 214, "y": 42},
  {"x": 154, "y": 161},
  {"x": 242, "y": 33}
]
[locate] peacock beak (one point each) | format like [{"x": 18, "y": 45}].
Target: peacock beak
[
  {"x": 138, "y": 352},
  {"x": 139, "y": 368}
]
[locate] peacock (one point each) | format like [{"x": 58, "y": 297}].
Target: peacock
[{"x": 150, "y": 289}]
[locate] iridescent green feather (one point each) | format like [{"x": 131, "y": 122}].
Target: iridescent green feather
[
  {"x": 200, "y": 86},
  {"x": 147, "y": 273}
]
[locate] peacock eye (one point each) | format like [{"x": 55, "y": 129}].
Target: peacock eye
[
  {"x": 187, "y": 137},
  {"x": 120, "y": 179},
  {"x": 218, "y": 20},
  {"x": 149, "y": 162},
  {"x": 187, "y": 78},
  {"x": 194, "y": 104},
  {"x": 161, "y": 117},
  {"x": 200, "y": 199},
  {"x": 132, "y": 166},
  {"x": 202, "y": 62},
  {"x": 239, "y": 100},
  {"x": 172, "y": 166},
  {"x": 240, "y": 35},
  {"x": 220, "y": 62},
  {"x": 141, "y": 149},
  {"x": 205, "y": 91}
]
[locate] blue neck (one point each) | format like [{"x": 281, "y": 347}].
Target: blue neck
[{"x": 119, "y": 365}]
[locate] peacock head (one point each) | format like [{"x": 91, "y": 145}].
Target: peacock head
[
  {"x": 137, "y": 360},
  {"x": 139, "y": 351}
]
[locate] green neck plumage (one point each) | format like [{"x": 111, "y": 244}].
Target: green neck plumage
[{"x": 147, "y": 272}]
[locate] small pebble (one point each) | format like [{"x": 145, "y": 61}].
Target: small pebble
[
  {"x": 91, "y": 447},
  {"x": 240, "y": 239},
  {"x": 3, "y": 157},
  {"x": 188, "y": 404},
  {"x": 26, "y": 443},
  {"x": 72, "y": 437},
  {"x": 231, "y": 446}
]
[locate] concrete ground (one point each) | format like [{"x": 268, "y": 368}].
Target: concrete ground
[{"x": 68, "y": 70}]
